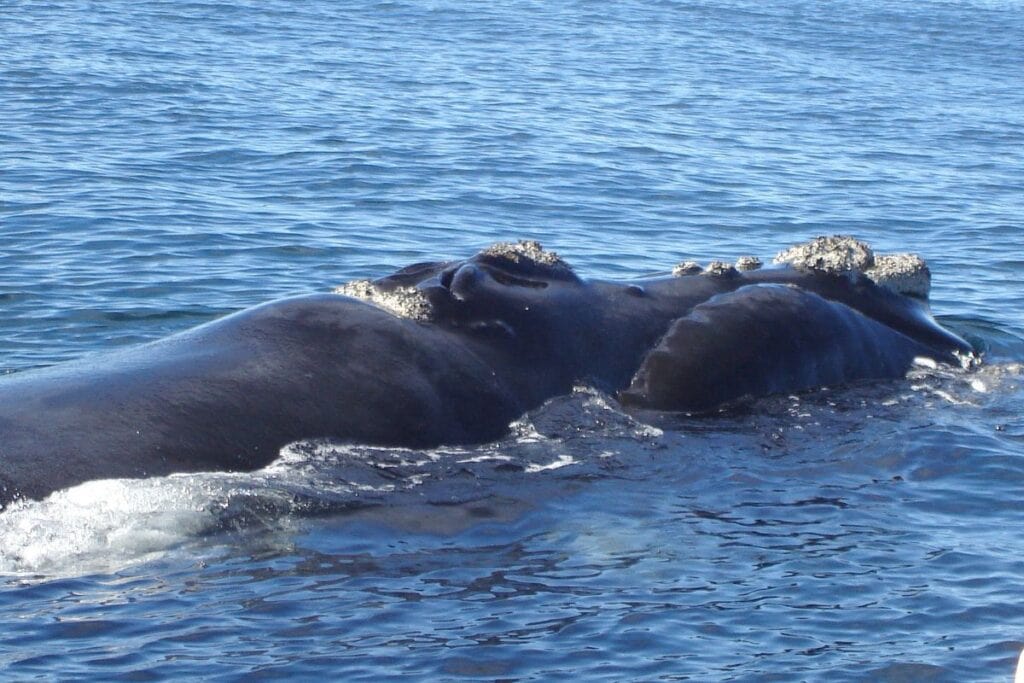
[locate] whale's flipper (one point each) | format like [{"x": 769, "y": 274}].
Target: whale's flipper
[{"x": 765, "y": 339}]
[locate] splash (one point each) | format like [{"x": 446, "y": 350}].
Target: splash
[{"x": 102, "y": 523}]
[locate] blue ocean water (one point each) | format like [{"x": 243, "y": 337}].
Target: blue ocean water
[{"x": 163, "y": 163}]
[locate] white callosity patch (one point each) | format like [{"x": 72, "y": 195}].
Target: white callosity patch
[
  {"x": 900, "y": 273},
  {"x": 720, "y": 269},
  {"x": 405, "y": 302},
  {"x": 687, "y": 268},
  {"x": 528, "y": 250},
  {"x": 748, "y": 263},
  {"x": 942, "y": 384},
  {"x": 835, "y": 254},
  {"x": 903, "y": 273}
]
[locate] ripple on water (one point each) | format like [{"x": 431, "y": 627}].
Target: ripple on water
[{"x": 167, "y": 163}]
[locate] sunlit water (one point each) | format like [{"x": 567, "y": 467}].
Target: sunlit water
[{"x": 162, "y": 163}]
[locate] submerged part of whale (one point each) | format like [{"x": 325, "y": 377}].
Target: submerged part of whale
[
  {"x": 765, "y": 339},
  {"x": 453, "y": 351}
]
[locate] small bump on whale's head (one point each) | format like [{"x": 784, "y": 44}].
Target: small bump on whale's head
[
  {"x": 524, "y": 250},
  {"x": 720, "y": 269},
  {"x": 404, "y": 302},
  {"x": 527, "y": 258},
  {"x": 905, "y": 274},
  {"x": 687, "y": 268},
  {"x": 744, "y": 263}
]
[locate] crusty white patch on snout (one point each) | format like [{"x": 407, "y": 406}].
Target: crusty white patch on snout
[
  {"x": 405, "y": 302},
  {"x": 901, "y": 273},
  {"x": 745, "y": 263},
  {"x": 835, "y": 254},
  {"x": 529, "y": 250},
  {"x": 720, "y": 269},
  {"x": 687, "y": 268}
]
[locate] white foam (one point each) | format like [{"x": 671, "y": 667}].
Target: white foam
[
  {"x": 525, "y": 432},
  {"x": 648, "y": 431},
  {"x": 106, "y": 524},
  {"x": 485, "y": 457},
  {"x": 560, "y": 462},
  {"x": 102, "y": 524}
]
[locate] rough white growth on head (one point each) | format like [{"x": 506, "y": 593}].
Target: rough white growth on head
[
  {"x": 687, "y": 268},
  {"x": 748, "y": 263},
  {"x": 405, "y": 302},
  {"x": 719, "y": 269},
  {"x": 906, "y": 274},
  {"x": 835, "y": 254},
  {"x": 902, "y": 273},
  {"x": 529, "y": 250}
]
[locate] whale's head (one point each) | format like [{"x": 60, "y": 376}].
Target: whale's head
[
  {"x": 504, "y": 283},
  {"x": 514, "y": 293},
  {"x": 508, "y": 277}
]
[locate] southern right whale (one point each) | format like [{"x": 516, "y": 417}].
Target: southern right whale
[{"x": 452, "y": 351}]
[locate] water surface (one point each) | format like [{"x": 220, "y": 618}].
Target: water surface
[{"x": 163, "y": 163}]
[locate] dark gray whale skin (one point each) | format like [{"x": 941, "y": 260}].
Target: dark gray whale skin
[{"x": 504, "y": 336}]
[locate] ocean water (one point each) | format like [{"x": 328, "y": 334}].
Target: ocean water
[{"x": 163, "y": 163}]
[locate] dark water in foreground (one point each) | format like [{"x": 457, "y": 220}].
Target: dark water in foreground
[{"x": 164, "y": 163}]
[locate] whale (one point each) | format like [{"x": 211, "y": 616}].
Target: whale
[{"x": 452, "y": 352}]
